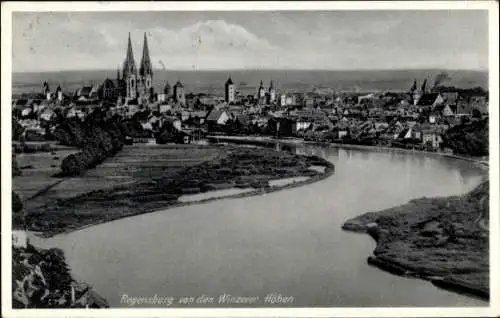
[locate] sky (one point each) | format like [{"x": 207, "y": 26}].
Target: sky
[{"x": 332, "y": 40}]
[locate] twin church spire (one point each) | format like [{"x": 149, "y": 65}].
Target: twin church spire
[
  {"x": 146, "y": 67},
  {"x": 129, "y": 66},
  {"x": 137, "y": 84}
]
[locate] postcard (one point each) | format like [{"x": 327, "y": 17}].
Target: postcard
[{"x": 250, "y": 159}]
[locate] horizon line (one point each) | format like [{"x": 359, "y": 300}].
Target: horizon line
[{"x": 263, "y": 69}]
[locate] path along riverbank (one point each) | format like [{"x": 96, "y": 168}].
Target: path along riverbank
[{"x": 443, "y": 240}]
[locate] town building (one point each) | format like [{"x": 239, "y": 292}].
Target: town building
[
  {"x": 261, "y": 93},
  {"x": 464, "y": 107},
  {"x": 229, "y": 91},
  {"x": 59, "y": 93},
  {"x": 283, "y": 100},
  {"x": 46, "y": 91},
  {"x": 430, "y": 100},
  {"x": 450, "y": 98},
  {"x": 165, "y": 96},
  {"x": 179, "y": 93},
  {"x": 272, "y": 93},
  {"x": 111, "y": 89},
  {"x": 219, "y": 117},
  {"x": 86, "y": 93},
  {"x": 430, "y": 138}
]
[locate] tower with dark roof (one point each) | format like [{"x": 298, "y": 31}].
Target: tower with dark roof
[
  {"x": 46, "y": 90},
  {"x": 59, "y": 93},
  {"x": 167, "y": 90},
  {"x": 179, "y": 94},
  {"x": 229, "y": 91},
  {"x": 129, "y": 73},
  {"x": 272, "y": 93},
  {"x": 145, "y": 71},
  {"x": 261, "y": 92}
]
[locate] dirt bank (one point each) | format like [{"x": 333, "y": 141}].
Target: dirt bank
[{"x": 438, "y": 239}]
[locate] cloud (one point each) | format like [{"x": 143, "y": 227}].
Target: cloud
[
  {"x": 222, "y": 40},
  {"x": 204, "y": 44},
  {"x": 212, "y": 37}
]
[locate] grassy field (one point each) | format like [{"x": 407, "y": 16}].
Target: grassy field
[
  {"x": 134, "y": 163},
  {"x": 37, "y": 170},
  {"x": 440, "y": 239},
  {"x": 143, "y": 178}
]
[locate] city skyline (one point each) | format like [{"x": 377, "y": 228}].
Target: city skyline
[{"x": 330, "y": 40}]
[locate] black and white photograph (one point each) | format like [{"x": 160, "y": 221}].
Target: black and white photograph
[{"x": 249, "y": 157}]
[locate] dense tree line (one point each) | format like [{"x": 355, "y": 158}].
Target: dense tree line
[
  {"x": 98, "y": 137},
  {"x": 468, "y": 138}
]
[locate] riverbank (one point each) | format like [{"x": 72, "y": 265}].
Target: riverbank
[
  {"x": 234, "y": 168},
  {"x": 437, "y": 239},
  {"x": 410, "y": 239},
  {"x": 268, "y": 141}
]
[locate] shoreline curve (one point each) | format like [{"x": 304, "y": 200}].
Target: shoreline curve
[
  {"x": 329, "y": 171},
  {"x": 389, "y": 265}
]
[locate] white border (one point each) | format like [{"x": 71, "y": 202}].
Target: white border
[{"x": 9, "y": 7}]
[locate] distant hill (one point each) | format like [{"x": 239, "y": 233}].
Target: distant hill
[{"x": 212, "y": 82}]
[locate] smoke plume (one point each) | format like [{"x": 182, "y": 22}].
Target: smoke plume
[
  {"x": 162, "y": 65},
  {"x": 441, "y": 77}
]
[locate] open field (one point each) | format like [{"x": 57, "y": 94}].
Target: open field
[
  {"x": 133, "y": 164},
  {"x": 143, "y": 178},
  {"x": 440, "y": 239},
  {"x": 37, "y": 170}
]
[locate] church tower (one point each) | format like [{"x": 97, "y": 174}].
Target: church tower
[
  {"x": 129, "y": 73},
  {"x": 146, "y": 71},
  {"x": 272, "y": 93},
  {"x": 179, "y": 94},
  {"x": 229, "y": 91}
]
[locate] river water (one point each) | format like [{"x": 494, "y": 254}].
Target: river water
[{"x": 288, "y": 242}]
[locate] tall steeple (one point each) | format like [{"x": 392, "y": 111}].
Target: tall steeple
[
  {"x": 129, "y": 66},
  {"x": 145, "y": 68},
  {"x": 424, "y": 86},
  {"x": 261, "y": 92},
  {"x": 272, "y": 92},
  {"x": 118, "y": 73}
]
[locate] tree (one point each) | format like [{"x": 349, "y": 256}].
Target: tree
[{"x": 476, "y": 113}]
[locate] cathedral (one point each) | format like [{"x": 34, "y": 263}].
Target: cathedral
[{"x": 134, "y": 84}]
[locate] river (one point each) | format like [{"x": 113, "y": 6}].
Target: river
[{"x": 288, "y": 242}]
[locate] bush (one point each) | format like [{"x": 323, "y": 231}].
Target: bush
[
  {"x": 72, "y": 165},
  {"x": 468, "y": 138}
]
